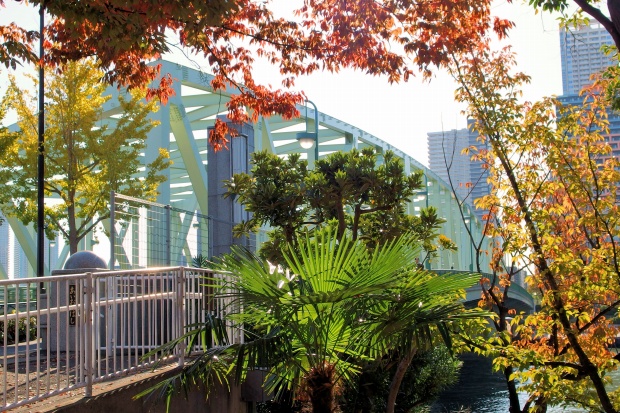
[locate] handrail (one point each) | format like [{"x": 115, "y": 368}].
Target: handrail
[{"x": 94, "y": 326}]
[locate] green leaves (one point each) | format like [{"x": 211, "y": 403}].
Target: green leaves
[
  {"x": 274, "y": 193},
  {"x": 85, "y": 159},
  {"x": 550, "y": 5},
  {"x": 352, "y": 192},
  {"x": 337, "y": 303},
  {"x": 336, "y": 306}
]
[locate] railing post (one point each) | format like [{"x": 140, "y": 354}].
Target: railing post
[
  {"x": 112, "y": 228},
  {"x": 168, "y": 236},
  {"x": 88, "y": 297},
  {"x": 180, "y": 316}
]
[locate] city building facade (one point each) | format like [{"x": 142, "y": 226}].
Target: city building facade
[
  {"x": 583, "y": 58},
  {"x": 447, "y": 160}
]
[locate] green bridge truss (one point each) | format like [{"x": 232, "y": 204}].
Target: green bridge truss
[{"x": 183, "y": 130}]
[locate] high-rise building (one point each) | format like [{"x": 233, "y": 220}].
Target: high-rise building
[
  {"x": 446, "y": 159},
  {"x": 582, "y": 57}
]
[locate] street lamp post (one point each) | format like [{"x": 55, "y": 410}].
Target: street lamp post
[
  {"x": 427, "y": 263},
  {"x": 307, "y": 139},
  {"x": 41, "y": 151},
  {"x": 50, "y": 245},
  {"x": 468, "y": 221}
]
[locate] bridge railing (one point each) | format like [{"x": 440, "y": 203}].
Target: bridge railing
[
  {"x": 519, "y": 296},
  {"x": 75, "y": 330}
]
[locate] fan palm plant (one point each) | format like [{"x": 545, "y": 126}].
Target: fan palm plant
[{"x": 313, "y": 324}]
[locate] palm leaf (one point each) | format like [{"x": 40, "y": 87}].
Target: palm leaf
[{"x": 337, "y": 304}]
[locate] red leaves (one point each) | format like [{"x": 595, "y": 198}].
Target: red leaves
[
  {"x": 15, "y": 45},
  {"x": 263, "y": 101},
  {"x": 389, "y": 38},
  {"x": 164, "y": 90},
  {"x": 217, "y": 135}
]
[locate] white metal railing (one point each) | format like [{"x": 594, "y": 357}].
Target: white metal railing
[{"x": 94, "y": 326}]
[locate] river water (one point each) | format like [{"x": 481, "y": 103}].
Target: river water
[{"x": 480, "y": 390}]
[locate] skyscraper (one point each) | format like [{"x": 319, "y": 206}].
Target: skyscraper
[
  {"x": 446, "y": 159},
  {"x": 582, "y": 57}
]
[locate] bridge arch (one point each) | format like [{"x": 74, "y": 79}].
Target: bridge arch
[{"x": 183, "y": 131}]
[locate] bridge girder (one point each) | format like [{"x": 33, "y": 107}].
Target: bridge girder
[{"x": 182, "y": 129}]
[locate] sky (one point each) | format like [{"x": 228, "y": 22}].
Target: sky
[{"x": 403, "y": 114}]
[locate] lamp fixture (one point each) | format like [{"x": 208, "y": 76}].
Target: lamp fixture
[{"x": 308, "y": 139}]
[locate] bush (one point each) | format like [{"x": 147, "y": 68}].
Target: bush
[
  {"x": 26, "y": 331},
  {"x": 430, "y": 372}
]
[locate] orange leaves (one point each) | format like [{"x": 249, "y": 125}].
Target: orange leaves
[
  {"x": 390, "y": 38},
  {"x": 163, "y": 91},
  {"x": 16, "y": 45},
  {"x": 262, "y": 101},
  {"x": 553, "y": 203},
  {"x": 217, "y": 135}
]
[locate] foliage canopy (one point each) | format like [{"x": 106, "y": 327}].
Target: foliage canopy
[
  {"x": 387, "y": 38},
  {"x": 85, "y": 158},
  {"x": 355, "y": 192},
  {"x": 557, "y": 216}
]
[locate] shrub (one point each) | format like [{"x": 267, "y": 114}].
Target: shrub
[
  {"x": 26, "y": 331},
  {"x": 430, "y": 372}
]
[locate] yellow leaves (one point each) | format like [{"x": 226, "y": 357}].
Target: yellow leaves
[
  {"x": 446, "y": 243},
  {"x": 84, "y": 160},
  {"x": 584, "y": 318},
  {"x": 553, "y": 206}
]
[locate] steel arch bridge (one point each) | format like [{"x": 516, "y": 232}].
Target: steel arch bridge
[{"x": 183, "y": 131}]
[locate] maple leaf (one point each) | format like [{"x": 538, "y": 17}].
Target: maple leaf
[{"x": 392, "y": 38}]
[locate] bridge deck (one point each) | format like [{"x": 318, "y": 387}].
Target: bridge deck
[{"x": 74, "y": 399}]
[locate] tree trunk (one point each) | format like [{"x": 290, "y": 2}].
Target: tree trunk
[
  {"x": 541, "y": 262},
  {"x": 321, "y": 388},
  {"x": 401, "y": 369},
  {"x": 73, "y": 239},
  {"x": 513, "y": 396},
  {"x": 342, "y": 224},
  {"x": 366, "y": 390}
]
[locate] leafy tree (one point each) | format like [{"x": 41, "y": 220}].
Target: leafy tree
[
  {"x": 7, "y": 139},
  {"x": 336, "y": 305},
  {"x": 231, "y": 35},
  {"x": 85, "y": 159},
  {"x": 350, "y": 191},
  {"x": 558, "y": 186},
  {"x": 504, "y": 248},
  {"x": 496, "y": 285}
]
